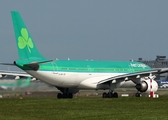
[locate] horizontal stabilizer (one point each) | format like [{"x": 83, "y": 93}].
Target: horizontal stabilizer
[
  {"x": 7, "y": 64},
  {"x": 35, "y": 65}
]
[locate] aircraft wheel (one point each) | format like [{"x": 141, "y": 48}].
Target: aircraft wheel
[
  {"x": 138, "y": 95},
  {"x": 110, "y": 94},
  {"x": 115, "y": 95},
  {"x": 64, "y": 95},
  {"x": 59, "y": 95},
  {"x": 70, "y": 95},
  {"x": 104, "y": 95}
]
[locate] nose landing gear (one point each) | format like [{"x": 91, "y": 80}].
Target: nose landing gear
[{"x": 110, "y": 95}]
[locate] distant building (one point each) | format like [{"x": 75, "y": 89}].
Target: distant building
[{"x": 159, "y": 62}]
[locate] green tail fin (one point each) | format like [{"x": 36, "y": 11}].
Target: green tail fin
[{"x": 25, "y": 45}]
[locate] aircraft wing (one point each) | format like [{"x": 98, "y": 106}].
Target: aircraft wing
[
  {"x": 133, "y": 76},
  {"x": 99, "y": 81},
  {"x": 14, "y": 73}
]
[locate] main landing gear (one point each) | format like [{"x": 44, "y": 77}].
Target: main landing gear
[
  {"x": 138, "y": 94},
  {"x": 110, "y": 95},
  {"x": 66, "y": 93}
]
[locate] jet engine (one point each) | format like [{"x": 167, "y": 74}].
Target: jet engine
[{"x": 145, "y": 86}]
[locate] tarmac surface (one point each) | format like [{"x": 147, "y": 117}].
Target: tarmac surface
[
  {"x": 42, "y": 90},
  {"x": 82, "y": 93}
]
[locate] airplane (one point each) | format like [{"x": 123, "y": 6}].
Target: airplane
[
  {"x": 163, "y": 83},
  {"x": 14, "y": 84},
  {"x": 16, "y": 74},
  {"x": 70, "y": 76}
]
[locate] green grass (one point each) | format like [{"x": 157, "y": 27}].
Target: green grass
[{"x": 86, "y": 108}]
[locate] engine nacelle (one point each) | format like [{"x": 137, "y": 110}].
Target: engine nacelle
[{"x": 144, "y": 86}]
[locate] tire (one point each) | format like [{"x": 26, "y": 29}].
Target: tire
[
  {"x": 59, "y": 95},
  {"x": 110, "y": 95},
  {"x": 104, "y": 95},
  {"x": 137, "y": 95},
  {"x": 70, "y": 95},
  {"x": 115, "y": 95}
]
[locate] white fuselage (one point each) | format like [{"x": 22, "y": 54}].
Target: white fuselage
[{"x": 70, "y": 79}]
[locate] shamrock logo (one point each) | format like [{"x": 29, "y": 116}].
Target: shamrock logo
[{"x": 24, "y": 40}]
